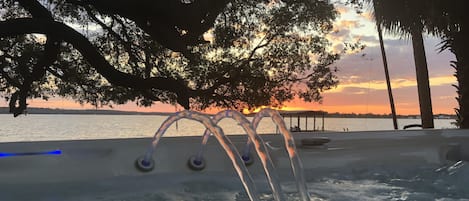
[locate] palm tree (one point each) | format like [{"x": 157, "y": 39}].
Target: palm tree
[
  {"x": 406, "y": 18},
  {"x": 386, "y": 73},
  {"x": 448, "y": 19},
  {"x": 442, "y": 18}
]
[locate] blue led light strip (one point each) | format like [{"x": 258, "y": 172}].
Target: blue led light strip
[{"x": 7, "y": 154}]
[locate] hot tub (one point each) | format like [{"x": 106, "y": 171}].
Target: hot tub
[{"x": 384, "y": 165}]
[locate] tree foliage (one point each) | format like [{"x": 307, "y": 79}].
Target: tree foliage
[
  {"x": 199, "y": 53},
  {"x": 444, "y": 19}
]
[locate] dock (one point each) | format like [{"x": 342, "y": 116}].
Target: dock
[{"x": 298, "y": 114}]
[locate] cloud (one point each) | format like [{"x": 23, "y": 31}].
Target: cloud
[
  {"x": 353, "y": 86},
  {"x": 342, "y": 9},
  {"x": 348, "y": 24},
  {"x": 367, "y": 15},
  {"x": 368, "y": 100},
  {"x": 368, "y": 64},
  {"x": 368, "y": 40}
]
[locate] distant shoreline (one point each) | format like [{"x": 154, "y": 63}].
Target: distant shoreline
[
  {"x": 5, "y": 110},
  {"x": 33, "y": 110}
]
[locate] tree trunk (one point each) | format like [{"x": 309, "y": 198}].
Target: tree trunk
[
  {"x": 464, "y": 94},
  {"x": 459, "y": 48},
  {"x": 386, "y": 73},
  {"x": 423, "y": 86}
]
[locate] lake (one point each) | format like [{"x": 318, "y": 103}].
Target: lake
[{"x": 41, "y": 127}]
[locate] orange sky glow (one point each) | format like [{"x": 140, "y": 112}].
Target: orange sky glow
[{"x": 362, "y": 88}]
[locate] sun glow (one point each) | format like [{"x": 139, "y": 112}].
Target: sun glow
[{"x": 282, "y": 108}]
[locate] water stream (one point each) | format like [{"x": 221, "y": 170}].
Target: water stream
[
  {"x": 296, "y": 164},
  {"x": 259, "y": 146},
  {"x": 229, "y": 148},
  {"x": 237, "y": 160}
]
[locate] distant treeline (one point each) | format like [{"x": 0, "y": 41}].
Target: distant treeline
[
  {"x": 32, "y": 110},
  {"x": 370, "y": 115},
  {"x": 5, "y": 110}
]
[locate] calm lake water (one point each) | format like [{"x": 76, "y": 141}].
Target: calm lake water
[{"x": 35, "y": 127}]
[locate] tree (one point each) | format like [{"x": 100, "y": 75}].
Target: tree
[
  {"x": 409, "y": 22},
  {"x": 445, "y": 19},
  {"x": 448, "y": 19},
  {"x": 201, "y": 53}
]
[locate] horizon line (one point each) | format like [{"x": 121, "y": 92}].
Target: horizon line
[{"x": 4, "y": 110}]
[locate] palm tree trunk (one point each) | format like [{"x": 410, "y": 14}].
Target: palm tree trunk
[
  {"x": 460, "y": 48},
  {"x": 423, "y": 86},
  {"x": 386, "y": 73},
  {"x": 464, "y": 94}
]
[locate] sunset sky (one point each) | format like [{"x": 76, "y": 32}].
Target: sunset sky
[{"x": 362, "y": 87}]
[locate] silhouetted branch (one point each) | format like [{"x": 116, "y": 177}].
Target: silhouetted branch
[{"x": 27, "y": 25}]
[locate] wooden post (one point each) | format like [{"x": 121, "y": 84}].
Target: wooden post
[
  {"x": 306, "y": 123},
  {"x": 322, "y": 121},
  {"x": 298, "y": 122},
  {"x": 314, "y": 122}
]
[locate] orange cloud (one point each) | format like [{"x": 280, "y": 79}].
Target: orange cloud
[
  {"x": 349, "y": 24},
  {"x": 342, "y": 9},
  {"x": 368, "y": 16},
  {"x": 395, "y": 83}
]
